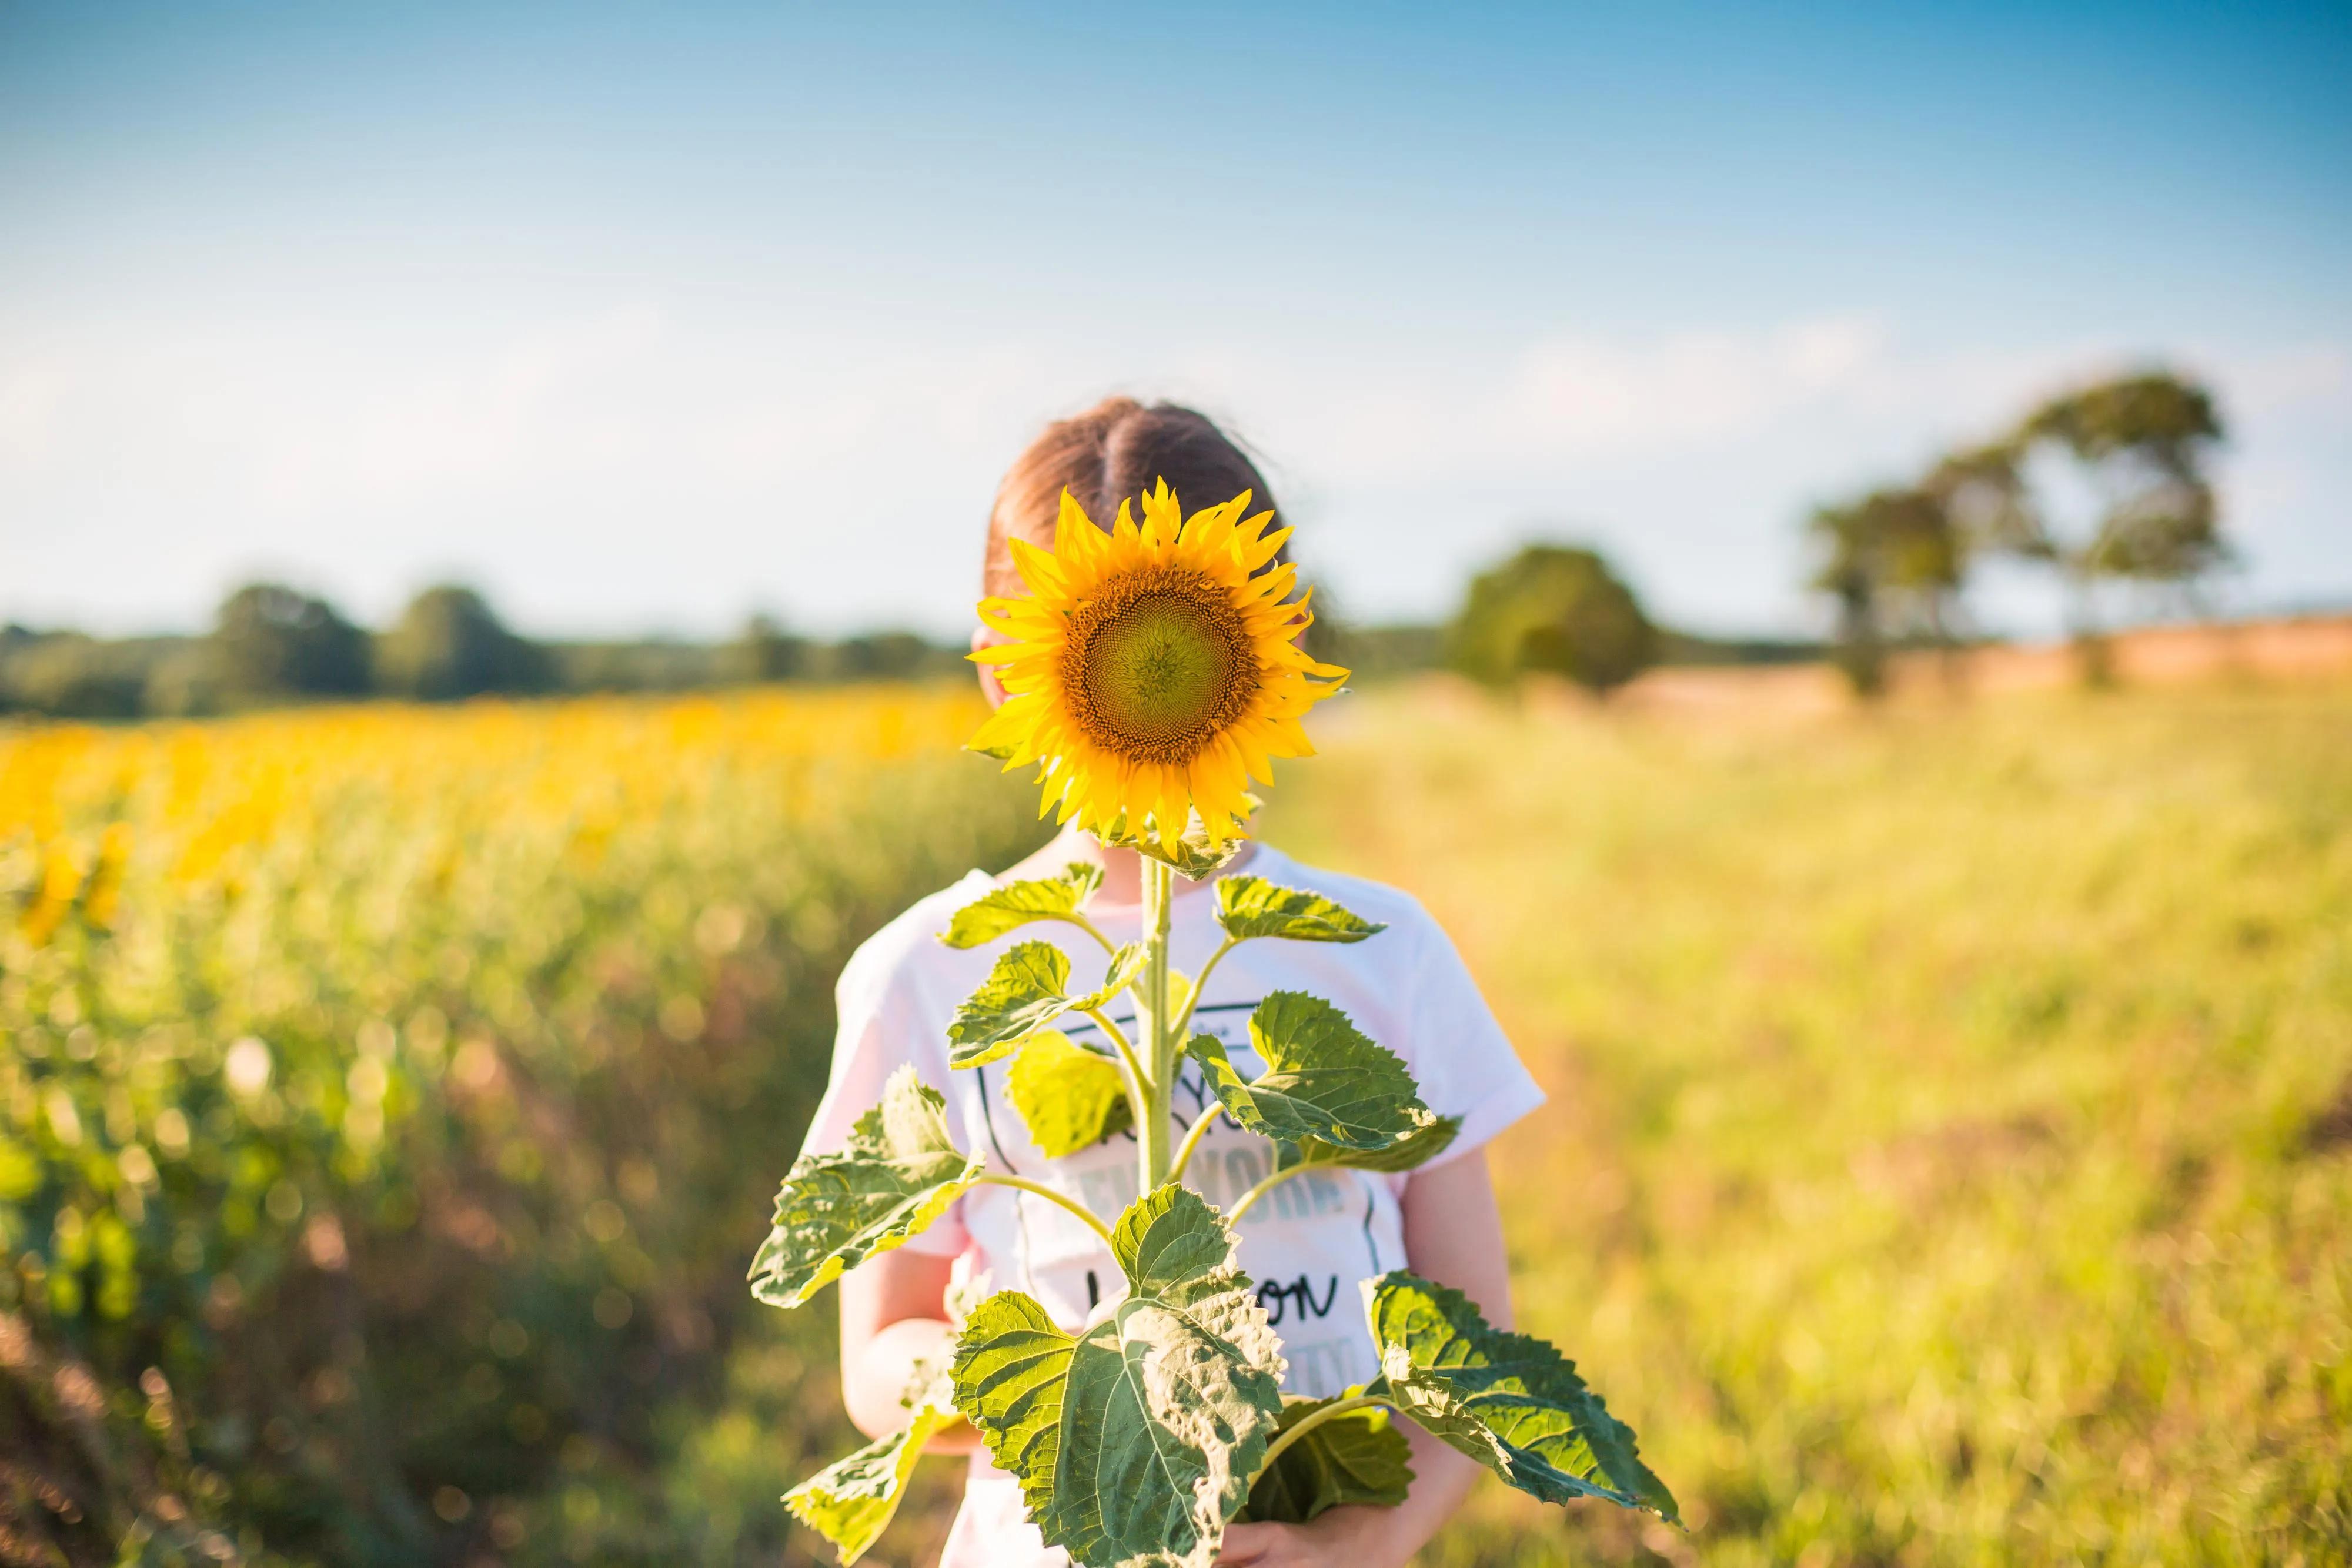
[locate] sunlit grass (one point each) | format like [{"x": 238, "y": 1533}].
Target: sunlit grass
[{"x": 1950, "y": 1156}]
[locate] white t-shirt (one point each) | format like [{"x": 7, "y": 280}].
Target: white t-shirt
[{"x": 1309, "y": 1243}]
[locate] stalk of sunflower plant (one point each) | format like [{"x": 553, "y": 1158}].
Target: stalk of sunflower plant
[{"x": 1150, "y": 674}]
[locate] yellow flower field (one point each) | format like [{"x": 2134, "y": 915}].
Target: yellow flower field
[{"x": 390, "y": 1089}]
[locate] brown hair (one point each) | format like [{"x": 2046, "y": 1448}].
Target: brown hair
[{"x": 1113, "y": 452}]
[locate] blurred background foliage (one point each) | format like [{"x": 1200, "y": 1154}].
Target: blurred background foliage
[
  {"x": 394, "y": 1096},
  {"x": 1552, "y": 609},
  {"x": 271, "y": 645},
  {"x": 2109, "y": 481}
]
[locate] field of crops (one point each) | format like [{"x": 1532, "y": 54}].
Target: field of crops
[
  {"x": 393, "y": 1098},
  {"x": 1949, "y": 1159}
]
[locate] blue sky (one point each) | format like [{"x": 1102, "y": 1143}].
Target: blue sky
[{"x": 644, "y": 318}]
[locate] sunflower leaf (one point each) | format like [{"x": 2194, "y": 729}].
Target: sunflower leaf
[
  {"x": 1022, "y": 994},
  {"x": 1511, "y": 1402},
  {"x": 1323, "y": 1082},
  {"x": 852, "y": 1500},
  {"x": 1358, "y": 1456},
  {"x": 1135, "y": 1440},
  {"x": 1192, "y": 853},
  {"x": 1251, "y": 907},
  {"x": 1026, "y": 992},
  {"x": 1126, "y": 964},
  {"x": 1192, "y": 859},
  {"x": 898, "y": 1172},
  {"x": 1010, "y": 907},
  {"x": 1420, "y": 1146},
  {"x": 1071, "y": 1098}
]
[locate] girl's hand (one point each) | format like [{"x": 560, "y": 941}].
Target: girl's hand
[{"x": 1349, "y": 1537}]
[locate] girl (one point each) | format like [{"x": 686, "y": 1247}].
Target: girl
[{"x": 1315, "y": 1238}]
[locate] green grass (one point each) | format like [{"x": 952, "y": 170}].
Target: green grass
[{"x": 1949, "y": 1157}]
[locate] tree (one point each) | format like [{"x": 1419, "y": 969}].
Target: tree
[
  {"x": 271, "y": 641},
  {"x": 450, "y": 645},
  {"x": 2144, "y": 443},
  {"x": 763, "y": 650},
  {"x": 890, "y": 656},
  {"x": 70, "y": 675},
  {"x": 1848, "y": 573},
  {"x": 1983, "y": 492},
  {"x": 1895, "y": 562},
  {"x": 1555, "y": 608}
]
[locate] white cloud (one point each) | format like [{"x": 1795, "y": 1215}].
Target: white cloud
[{"x": 1584, "y": 395}]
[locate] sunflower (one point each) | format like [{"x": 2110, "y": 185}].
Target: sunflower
[{"x": 1151, "y": 673}]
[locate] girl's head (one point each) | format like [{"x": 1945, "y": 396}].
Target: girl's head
[{"x": 1113, "y": 452}]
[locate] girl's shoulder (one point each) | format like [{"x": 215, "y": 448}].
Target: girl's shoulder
[{"x": 909, "y": 944}]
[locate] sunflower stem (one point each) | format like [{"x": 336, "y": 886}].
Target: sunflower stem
[
  {"x": 1126, "y": 1056},
  {"x": 1248, "y": 1200},
  {"x": 1021, "y": 1184},
  {"x": 1200, "y": 1129},
  {"x": 1078, "y": 919},
  {"x": 1156, "y": 1024},
  {"x": 1200, "y": 984}
]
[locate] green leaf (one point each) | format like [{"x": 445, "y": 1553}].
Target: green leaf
[
  {"x": 1192, "y": 854},
  {"x": 851, "y": 1501},
  {"x": 1511, "y": 1402},
  {"x": 898, "y": 1173},
  {"x": 1252, "y": 906},
  {"x": 1026, "y": 992},
  {"x": 1420, "y": 1146},
  {"x": 1323, "y": 1080},
  {"x": 1126, "y": 964},
  {"x": 1022, "y": 994},
  {"x": 1194, "y": 860},
  {"x": 1133, "y": 1442},
  {"x": 1013, "y": 907},
  {"x": 1071, "y": 1098},
  {"x": 1358, "y": 1456}
]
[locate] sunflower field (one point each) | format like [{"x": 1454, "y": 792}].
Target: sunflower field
[
  {"x": 389, "y": 1094},
  {"x": 1949, "y": 1156}
]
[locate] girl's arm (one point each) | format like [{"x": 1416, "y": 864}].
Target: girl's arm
[
  {"x": 1452, "y": 1235},
  {"x": 893, "y": 1316}
]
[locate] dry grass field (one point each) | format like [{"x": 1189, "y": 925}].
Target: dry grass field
[{"x": 1950, "y": 1151}]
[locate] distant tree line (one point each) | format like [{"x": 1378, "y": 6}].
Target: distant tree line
[
  {"x": 271, "y": 645},
  {"x": 1555, "y": 610},
  {"x": 2108, "y": 482},
  {"x": 1550, "y": 609}
]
